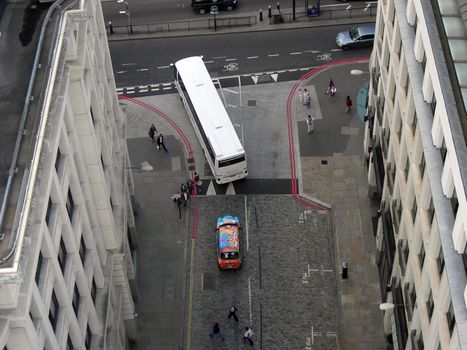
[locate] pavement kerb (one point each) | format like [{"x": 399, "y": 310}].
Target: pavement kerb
[{"x": 237, "y": 30}]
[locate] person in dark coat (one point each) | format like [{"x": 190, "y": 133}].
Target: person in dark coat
[
  {"x": 152, "y": 132},
  {"x": 160, "y": 142}
]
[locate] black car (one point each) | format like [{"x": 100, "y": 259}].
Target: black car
[{"x": 204, "y": 6}]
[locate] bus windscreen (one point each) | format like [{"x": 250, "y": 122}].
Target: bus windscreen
[{"x": 231, "y": 161}]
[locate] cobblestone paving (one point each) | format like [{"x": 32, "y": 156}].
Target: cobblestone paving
[{"x": 286, "y": 289}]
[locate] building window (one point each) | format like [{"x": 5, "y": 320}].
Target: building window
[
  {"x": 407, "y": 168},
  {"x": 39, "y": 268},
  {"x": 423, "y": 62},
  {"x": 420, "y": 344},
  {"x": 413, "y": 126},
  {"x": 75, "y": 300},
  {"x": 443, "y": 150},
  {"x": 69, "y": 344},
  {"x": 70, "y": 204},
  {"x": 431, "y": 211},
  {"x": 421, "y": 256},
  {"x": 414, "y": 210},
  {"x": 440, "y": 262},
  {"x": 92, "y": 117},
  {"x": 62, "y": 253},
  {"x": 93, "y": 291},
  {"x": 454, "y": 202},
  {"x": 53, "y": 311},
  {"x": 47, "y": 214},
  {"x": 82, "y": 250},
  {"x": 430, "y": 305},
  {"x": 422, "y": 166},
  {"x": 464, "y": 259},
  {"x": 57, "y": 160},
  {"x": 451, "y": 318},
  {"x": 433, "y": 103},
  {"x": 87, "y": 340}
]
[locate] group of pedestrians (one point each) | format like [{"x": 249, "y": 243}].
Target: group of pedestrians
[
  {"x": 216, "y": 331},
  {"x": 159, "y": 139},
  {"x": 305, "y": 99}
]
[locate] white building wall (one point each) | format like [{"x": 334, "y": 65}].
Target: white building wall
[
  {"x": 413, "y": 178},
  {"x": 74, "y": 286}
]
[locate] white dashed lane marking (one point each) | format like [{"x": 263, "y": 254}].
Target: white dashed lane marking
[
  {"x": 273, "y": 55},
  {"x": 251, "y": 57},
  {"x": 295, "y": 53}
]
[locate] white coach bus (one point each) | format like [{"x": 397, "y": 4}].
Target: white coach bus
[{"x": 223, "y": 150}]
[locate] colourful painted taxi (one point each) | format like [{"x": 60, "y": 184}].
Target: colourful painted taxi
[{"x": 229, "y": 250}]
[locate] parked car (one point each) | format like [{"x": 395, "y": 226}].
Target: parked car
[
  {"x": 204, "y": 6},
  {"x": 229, "y": 248},
  {"x": 356, "y": 37}
]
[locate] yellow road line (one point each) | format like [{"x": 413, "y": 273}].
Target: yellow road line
[{"x": 190, "y": 296}]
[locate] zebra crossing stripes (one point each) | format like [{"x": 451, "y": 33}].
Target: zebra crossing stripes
[{"x": 226, "y": 81}]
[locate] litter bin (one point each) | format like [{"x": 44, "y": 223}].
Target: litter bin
[{"x": 312, "y": 11}]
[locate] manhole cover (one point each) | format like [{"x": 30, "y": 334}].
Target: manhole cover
[
  {"x": 251, "y": 103},
  {"x": 209, "y": 281}
]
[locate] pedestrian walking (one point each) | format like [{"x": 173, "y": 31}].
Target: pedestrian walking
[
  {"x": 216, "y": 332},
  {"x": 300, "y": 95},
  {"x": 247, "y": 336},
  {"x": 308, "y": 100},
  {"x": 306, "y": 97},
  {"x": 233, "y": 313},
  {"x": 178, "y": 200},
  {"x": 184, "y": 192},
  {"x": 152, "y": 132},
  {"x": 348, "y": 104},
  {"x": 331, "y": 91},
  {"x": 198, "y": 183},
  {"x": 310, "y": 124},
  {"x": 160, "y": 142}
]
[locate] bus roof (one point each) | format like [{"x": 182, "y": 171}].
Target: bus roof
[{"x": 208, "y": 105}]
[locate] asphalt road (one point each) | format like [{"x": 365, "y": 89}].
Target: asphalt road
[
  {"x": 286, "y": 288},
  {"x": 142, "y": 62},
  {"x": 159, "y": 11}
]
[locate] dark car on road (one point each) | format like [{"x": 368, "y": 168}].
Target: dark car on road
[
  {"x": 360, "y": 36},
  {"x": 204, "y": 6}
]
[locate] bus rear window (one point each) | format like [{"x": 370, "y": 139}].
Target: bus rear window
[{"x": 231, "y": 161}]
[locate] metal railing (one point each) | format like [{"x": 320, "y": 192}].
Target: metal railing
[
  {"x": 187, "y": 25},
  {"x": 326, "y": 13}
]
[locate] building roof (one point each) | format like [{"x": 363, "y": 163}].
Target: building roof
[{"x": 20, "y": 25}]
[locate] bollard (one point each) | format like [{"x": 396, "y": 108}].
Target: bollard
[
  {"x": 278, "y": 6},
  {"x": 345, "y": 270},
  {"x": 269, "y": 12},
  {"x": 111, "y": 28},
  {"x": 261, "y": 15}
]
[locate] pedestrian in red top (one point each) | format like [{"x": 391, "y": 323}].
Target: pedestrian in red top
[{"x": 348, "y": 103}]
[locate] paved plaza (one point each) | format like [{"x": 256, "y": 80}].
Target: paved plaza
[{"x": 291, "y": 278}]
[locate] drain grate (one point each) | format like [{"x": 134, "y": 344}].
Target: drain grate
[
  {"x": 324, "y": 162},
  {"x": 251, "y": 103}
]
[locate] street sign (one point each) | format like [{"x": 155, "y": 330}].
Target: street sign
[{"x": 214, "y": 10}]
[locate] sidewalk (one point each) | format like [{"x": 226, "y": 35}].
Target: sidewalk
[
  {"x": 333, "y": 171},
  {"x": 302, "y": 21}
]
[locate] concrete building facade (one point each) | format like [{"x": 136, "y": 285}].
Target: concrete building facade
[
  {"x": 415, "y": 143},
  {"x": 66, "y": 267}
]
